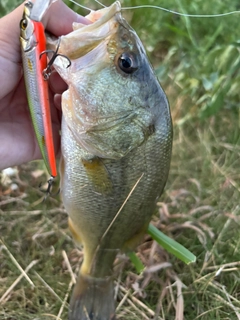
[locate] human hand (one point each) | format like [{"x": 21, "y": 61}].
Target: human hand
[{"x": 17, "y": 138}]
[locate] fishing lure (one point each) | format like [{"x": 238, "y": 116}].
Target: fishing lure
[{"x": 36, "y": 67}]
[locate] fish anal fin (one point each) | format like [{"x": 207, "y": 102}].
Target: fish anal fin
[{"x": 74, "y": 232}]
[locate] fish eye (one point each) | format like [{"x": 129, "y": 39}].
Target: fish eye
[
  {"x": 126, "y": 63},
  {"x": 23, "y": 24}
]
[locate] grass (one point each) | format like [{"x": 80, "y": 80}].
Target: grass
[
  {"x": 200, "y": 209},
  {"x": 197, "y": 61}
]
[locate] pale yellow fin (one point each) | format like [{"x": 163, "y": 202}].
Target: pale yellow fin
[
  {"x": 136, "y": 239},
  {"x": 98, "y": 175},
  {"x": 75, "y": 234}
]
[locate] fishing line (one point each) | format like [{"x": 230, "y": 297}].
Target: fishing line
[
  {"x": 101, "y": 4},
  {"x": 80, "y": 5},
  {"x": 182, "y": 14},
  {"x": 166, "y": 10}
]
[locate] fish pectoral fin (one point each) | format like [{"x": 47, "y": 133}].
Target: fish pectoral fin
[
  {"x": 117, "y": 141},
  {"x": 98, "y": 175}
]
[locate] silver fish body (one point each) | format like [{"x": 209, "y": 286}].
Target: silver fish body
[{"x": 116, "y": 150}]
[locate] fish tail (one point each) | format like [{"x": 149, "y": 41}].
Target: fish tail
[{"x": 92, "y": 299}]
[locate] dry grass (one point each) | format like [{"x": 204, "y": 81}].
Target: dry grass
[{"x": 200, "y": 209}]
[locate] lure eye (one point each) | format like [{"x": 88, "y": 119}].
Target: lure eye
[
  {"x": 23, "y": 24},
  {"x": 126, "y": 63}
]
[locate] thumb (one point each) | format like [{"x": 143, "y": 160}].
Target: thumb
[{"x": 59, "y": 18}]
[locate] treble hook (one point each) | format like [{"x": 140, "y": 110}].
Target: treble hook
[
  {"x": 49, "y": 188},
  {"x": 47, "y": 72}
]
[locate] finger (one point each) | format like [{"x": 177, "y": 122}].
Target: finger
[
  {"x": 57, "y": 85},
  {"x": 59, "y": 18},
  {"x": 9, "y": 35},
  {"x": 10, "y": 57},
  {"x": 58, "y": 101}
]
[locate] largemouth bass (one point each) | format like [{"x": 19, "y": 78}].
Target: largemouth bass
[{"x": 116, "y": 150}]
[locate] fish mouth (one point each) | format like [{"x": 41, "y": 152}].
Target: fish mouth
[
  {"x": 102, "y": 16},
  {"x": 84, "y": 38}
]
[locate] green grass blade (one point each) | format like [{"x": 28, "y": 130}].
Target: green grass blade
[
  {"x": 171, "y": 245},
  {"x": 136, "y": 262}
]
